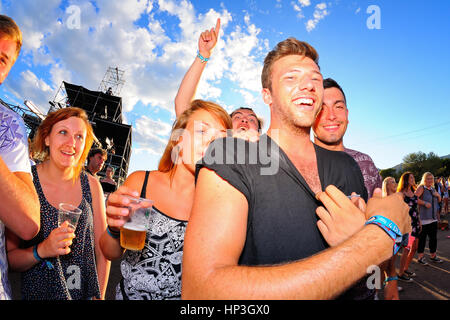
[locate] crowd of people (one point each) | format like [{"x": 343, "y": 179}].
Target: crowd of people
[{"x": 280, "y": 218}]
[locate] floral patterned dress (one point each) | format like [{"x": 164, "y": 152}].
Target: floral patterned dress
[{"x": 414, "y": 214}]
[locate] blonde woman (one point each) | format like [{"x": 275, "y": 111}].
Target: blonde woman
[
  {"x": 154, "y": 273},
  {"x": 389, "y": 186},
  {"x": 429, "y": 217}
]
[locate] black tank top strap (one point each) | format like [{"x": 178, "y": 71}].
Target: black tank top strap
[
  {"x": 85, "y": 187},
  {"x": 37, "y": 184},
  {"x": 144, "y": 186}
]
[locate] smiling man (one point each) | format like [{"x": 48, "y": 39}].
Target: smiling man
[
  {"x": 330, "y": 127},
  {"x": 329, "y": 130},
  {"x": 257, "y": 236}
]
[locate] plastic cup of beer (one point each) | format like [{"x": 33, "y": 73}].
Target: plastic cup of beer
[
  {"x": 69, "y": 213},
  {"x": 134, "y": 231}
]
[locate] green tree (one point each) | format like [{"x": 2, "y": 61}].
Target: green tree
[
  {"x": 419, "y": 163},
  {"x": 445, "y": 168},
  {"x": 391, "y": 172}
]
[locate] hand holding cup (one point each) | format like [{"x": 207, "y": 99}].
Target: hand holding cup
[{"x": 58, "y": 242}]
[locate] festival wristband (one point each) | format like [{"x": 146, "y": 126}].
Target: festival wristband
[
  {"x": 202, "y": 57},
  {"x": 390, "y": 228},
  {"x": 390, "y": 279},
  {"x": 112, "y": 233},
  {"x": 39, "y": 259}
]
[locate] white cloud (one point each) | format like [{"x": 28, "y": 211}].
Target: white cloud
[
  {"x": 35, "y": 89},
  {"x": 249, "y": 97},
  {"x": 245, "y": 69},
  {"x": 154, "y": 59},
  {"x": 151, "y": 135},
  {"x": 319, "y": 13},
  {"x": 298, "y": 9},
  {"x": 304, "y": 3}
]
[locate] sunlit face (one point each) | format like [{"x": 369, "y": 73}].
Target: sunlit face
[
  {"x": 7, "y": 57},
  {"x": 391, "y": 186},
  {"x": 331, "y": 123},
  {"x": 411, "y": 180},
  {"x": 297, "y": 92},
  {"x": 201, "y": 130},
  {"x": 244, "y": 119},
  {"x": 66, "y": 142},
  {"x": 429, "y": 180}
]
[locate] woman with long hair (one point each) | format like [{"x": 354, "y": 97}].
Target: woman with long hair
[
  {"x": 407, "y": 186},
  {"x": 61, "y": 263},
  {"x": 154, "y": 273},
  {"x": 429, "y": 217}
]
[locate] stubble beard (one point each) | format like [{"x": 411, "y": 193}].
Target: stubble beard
[{"x": 331, "y": 142}]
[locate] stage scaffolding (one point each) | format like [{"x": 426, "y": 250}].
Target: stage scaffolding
[{"x": 104, "y": 110}]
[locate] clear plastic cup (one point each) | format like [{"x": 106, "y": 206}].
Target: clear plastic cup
[
  {"x": 69, "y": 213},
  {"x": 133, "y": 232}
]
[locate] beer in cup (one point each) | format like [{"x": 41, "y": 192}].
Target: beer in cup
[{"x": 134, "y": 231}]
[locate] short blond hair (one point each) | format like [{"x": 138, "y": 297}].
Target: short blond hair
[{"x": 10, "y": 30}]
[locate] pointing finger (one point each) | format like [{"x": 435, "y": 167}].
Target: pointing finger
[{"x": 217, "y": 28}]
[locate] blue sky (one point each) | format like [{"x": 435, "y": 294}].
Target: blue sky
[{"x": 393, "y": 63}]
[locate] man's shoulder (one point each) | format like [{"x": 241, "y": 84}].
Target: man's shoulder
[
  {"x": 13, "y": 128},
  {"x": 333, "y": 156},
  {"x": 246, "y": 158},
  {"x": 4, "y": 111},
  {"x": 237, "y": 151},
  {"x": 358, "y": 155},
  {"x": 13, "y": 141}
]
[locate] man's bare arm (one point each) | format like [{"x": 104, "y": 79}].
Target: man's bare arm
[
  {"x": 216, "y": 235},
  {"x": 19, "y": 205}
]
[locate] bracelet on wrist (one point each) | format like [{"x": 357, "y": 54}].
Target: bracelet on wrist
[
  {"x": 204, "y": 60},
  {"x": 46, "y": 263},
  {"x": 390, "y": 279},
  {"x": 113, "y": 234},
  {"x": 390, "y": 228}
]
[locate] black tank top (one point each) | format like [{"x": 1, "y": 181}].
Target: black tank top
[{"x": 74, "y": 276}]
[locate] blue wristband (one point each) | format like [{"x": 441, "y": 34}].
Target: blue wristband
[
  {"x": 390, "y": 228},
  {"x": 390, "y": 279},
  {"x": 202, "y": 57},
  {"x": 113, "y": 234},
  {"x": 38, "y": 258},
  {"x": 35, "y": 254}
]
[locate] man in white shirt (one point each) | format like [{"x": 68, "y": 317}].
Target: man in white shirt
[{"x": 19, "y": 208}]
